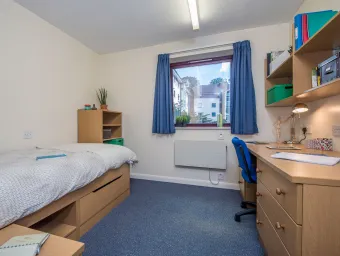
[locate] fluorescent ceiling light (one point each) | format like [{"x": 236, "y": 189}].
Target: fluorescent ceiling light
[{"x": 194, "y": 14}]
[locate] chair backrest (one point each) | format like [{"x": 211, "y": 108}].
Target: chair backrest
[{"x": 245, "y": 160}]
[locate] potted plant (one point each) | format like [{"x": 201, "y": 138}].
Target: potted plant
[
  {"x": 179, "y": 121},
  {"x": 186, "y": 119},
  {"x": 102, "y": 97}
]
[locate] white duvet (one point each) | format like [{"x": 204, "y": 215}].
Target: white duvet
[{"x": 27, "y": 185}]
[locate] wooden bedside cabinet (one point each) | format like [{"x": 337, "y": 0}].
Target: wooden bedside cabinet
[{"x": 54, "y": 245}]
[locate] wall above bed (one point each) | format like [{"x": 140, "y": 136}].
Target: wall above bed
[{"x": 45, "y": 77}]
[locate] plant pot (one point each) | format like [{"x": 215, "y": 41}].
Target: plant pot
[{"x": 103, "y": 107}]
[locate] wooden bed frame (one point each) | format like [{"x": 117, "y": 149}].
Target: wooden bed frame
[{"x": 77, "y": 212}]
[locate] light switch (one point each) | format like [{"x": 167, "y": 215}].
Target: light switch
[
  {"x": 336, "y": 130},
  {"x": 28, "y": 135}
]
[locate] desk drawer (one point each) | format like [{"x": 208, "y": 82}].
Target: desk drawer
[
  {"x": 270, "y": 239},
  {"x": 289, "y": 195},
  {"x": 98, "y": 199},
  {"x": 288, "y": 231}
]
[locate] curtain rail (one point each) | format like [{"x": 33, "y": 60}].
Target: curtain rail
[{"x": 201, "y": 48}]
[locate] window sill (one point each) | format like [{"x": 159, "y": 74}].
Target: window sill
[{"x": 202, "y": 128}]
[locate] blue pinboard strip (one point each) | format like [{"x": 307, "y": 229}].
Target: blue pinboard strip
[{"x": 50, "y": 156}]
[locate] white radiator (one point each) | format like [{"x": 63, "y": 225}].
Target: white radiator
[{"x": 202, "y": 154}]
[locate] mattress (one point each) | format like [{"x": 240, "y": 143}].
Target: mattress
[{"x": 27, "y": 184}]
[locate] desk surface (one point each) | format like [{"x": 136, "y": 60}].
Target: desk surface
[
  {"x": 297, "y": 172},
  {"x": 54, "y": 245}
]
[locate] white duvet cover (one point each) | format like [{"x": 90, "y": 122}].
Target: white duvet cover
[{"x": 27, "y": 184}]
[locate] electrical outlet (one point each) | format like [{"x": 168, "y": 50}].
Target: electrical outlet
[
  {"x": 28, "y": 135},
  {"x": 220, "y": 136},
  {"x": 220, "y": 176},
  {"x": 336, "y": 130},
  {"x": 309, "y": 129}
]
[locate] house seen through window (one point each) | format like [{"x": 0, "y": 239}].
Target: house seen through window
[{"x": 202, "y": 90}]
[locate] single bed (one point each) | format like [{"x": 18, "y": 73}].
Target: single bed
[{"x": 66, "y": 195}]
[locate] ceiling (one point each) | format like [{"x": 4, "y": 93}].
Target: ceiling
[{"x": 115, "y": 25}]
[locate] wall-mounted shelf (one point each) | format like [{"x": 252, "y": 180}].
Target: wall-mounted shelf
[
  {"x": 298, "y": 69},
  {"x": 287, "y": 102},
  {"x": 326, "y": 39},
  {"x": 323, "y": 91},
  {"x": 284, "y": 70}
]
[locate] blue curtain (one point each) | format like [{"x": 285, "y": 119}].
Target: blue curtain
[
  {"x": 163, "y": 120},
  {"x": 242, "y": 92}
]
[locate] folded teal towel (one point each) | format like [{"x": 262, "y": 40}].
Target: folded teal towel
[{"x": 50, "y": 156}]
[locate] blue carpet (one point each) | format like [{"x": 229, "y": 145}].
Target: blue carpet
[{"x": 172, "y": 219}]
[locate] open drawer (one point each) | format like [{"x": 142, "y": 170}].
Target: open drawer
[{"x": 102, "y": 196}]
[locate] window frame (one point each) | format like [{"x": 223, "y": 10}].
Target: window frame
[{"x": 195, "y": 63}]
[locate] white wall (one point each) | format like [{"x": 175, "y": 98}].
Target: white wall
[
  {"x": 130, "y": 78},
  {"x": 323, "y": 113},
  {"x": 319, "y": 5},
  {"x": 45, "y": 76}
]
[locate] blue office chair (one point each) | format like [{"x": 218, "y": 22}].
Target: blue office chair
[{"x": 247, "y": 164}]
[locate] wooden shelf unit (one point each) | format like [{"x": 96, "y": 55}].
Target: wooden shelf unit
[
  {"x": 325, "y": 39},
  {"x": 91, "y": 124},
  {"x": 271, "y": 81},
  {"x": 313, "y": 52},
  {"x": 284, "y": 70}
]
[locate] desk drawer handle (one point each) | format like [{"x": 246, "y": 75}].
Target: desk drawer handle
[
  {"x": 258, "y": 170},
  {"x": 258, "y": 194},
  {"x": 279, "y": 226},
  {"x": 258, "y": 222},
  {"x": 240, "y": 182},
  {"x": 280, "y": 192}
]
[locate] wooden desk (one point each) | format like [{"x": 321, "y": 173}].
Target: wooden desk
[
  {"x": 54, "y": 245},
  {"x": 298, "y": 209}
]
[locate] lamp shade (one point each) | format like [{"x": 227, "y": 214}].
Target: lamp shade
[{"x": 300, "y": 108}]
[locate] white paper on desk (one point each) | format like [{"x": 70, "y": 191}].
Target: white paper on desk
[{"x": 313, "y": 159}]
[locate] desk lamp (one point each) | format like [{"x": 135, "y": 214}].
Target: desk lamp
[{"x": 298, "y": 108}]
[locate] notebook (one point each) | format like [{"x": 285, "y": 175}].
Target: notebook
[
  {"x": 313, "y": 159},
  {"x": 28, "y": 245}
]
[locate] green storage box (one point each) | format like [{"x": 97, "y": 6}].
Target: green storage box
[
  {"x": 118, "y": 141},
  {"x": 279, "y": 92}
]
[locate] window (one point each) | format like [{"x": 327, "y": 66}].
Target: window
[{"x": 203, "y": 88}]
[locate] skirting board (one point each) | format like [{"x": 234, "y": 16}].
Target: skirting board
[{"x": 194, "y": 182}]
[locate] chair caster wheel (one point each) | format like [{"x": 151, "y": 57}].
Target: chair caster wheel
[
  {"x": 243, "y": 205},
  {"x": 237, "y": 218}
]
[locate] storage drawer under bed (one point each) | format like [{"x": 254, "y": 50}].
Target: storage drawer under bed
[{"x": 102, "y": 196}]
